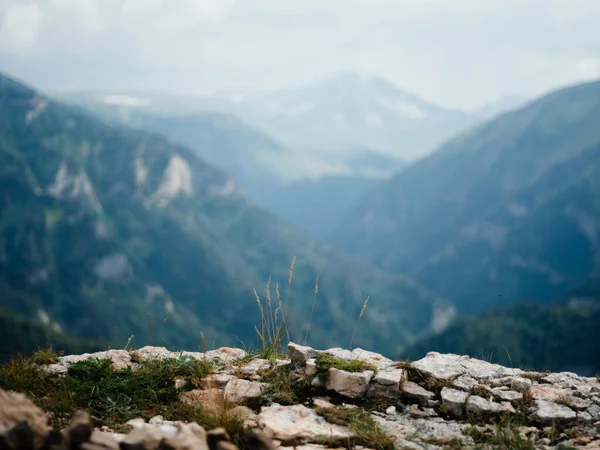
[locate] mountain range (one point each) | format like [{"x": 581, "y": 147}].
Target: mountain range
[
  {"x": 349, "y": 109},
  {"x": 108, "y": 231},
  {"x": 335, "y": 117},
  {"x": 506, "y": 211},
  {"x": 331, "y": 141},
  {"x": 125, "y": 217},
  {"x": 557, "y": 336}
]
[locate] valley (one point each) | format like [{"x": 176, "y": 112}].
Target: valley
[
  {"x": 110, "y": 232},
  {"x": 462, "y": 250}
]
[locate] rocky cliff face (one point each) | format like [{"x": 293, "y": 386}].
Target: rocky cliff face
[{"x": 313, "y": 399}]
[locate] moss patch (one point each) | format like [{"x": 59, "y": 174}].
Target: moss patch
[{"x": 325, "y": 362}]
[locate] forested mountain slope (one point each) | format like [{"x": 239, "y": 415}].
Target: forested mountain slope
[
  {"x": 109, "y": 232},
  {"x": 507, "y": 211}
]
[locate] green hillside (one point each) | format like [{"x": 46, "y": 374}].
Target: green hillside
[
  {"x": 505, "y": 212},
  {"x": 25, "y": 336},
  {"x": 561, "y": 336},
  {"x": 112, "y": 232}
]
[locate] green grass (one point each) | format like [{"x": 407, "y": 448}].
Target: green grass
[
  {"x": 226, "y": 417},
  {"x": 283, "y": 388},
  {"x": 368, "y": 433},
  {"x": 45, "y": 356},
  {"x": 113, "y": 395},
  {"x": 274, "y": 333},
  {"x": 324, "y": 362}
]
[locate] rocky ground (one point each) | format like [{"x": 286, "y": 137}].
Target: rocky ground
[{"x": 309, "y": 400}]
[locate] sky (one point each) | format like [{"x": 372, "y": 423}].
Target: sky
[{"x": 456, "y": 53}]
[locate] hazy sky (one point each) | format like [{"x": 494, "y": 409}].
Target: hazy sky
[{"x": 459, "y": 53}]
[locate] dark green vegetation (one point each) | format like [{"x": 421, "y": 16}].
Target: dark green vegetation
[
  {"x": 504, "y": 212},
  {"x": 21, "y": 336},
  {"x": 114, "y": 396},
  {"x": 111, "y": 232},
  {"x": 561, "y": 336}
]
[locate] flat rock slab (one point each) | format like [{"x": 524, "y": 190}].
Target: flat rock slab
[
  {"x": 507, "y": 396},
  {"x": 404, "y": 429},
  {"x": 358, "y": 354},
  {"x": 348, "y": 384},
  {"x": 547, "y": 412},
  {"x": 446, "y": 366},
  {"x": 388, "y": 377},
  {"x": 226, "y": 354},
  {"x": 238, "y": 390},
  {"x": 297, "y": 422},
  {"x": 454, "y": 400},
  {"x": 417, "y": 392},
  {"x": 480, "y": 405},
  {"x": 119, "y": 358},
  {"x": 465, "y": 382}
]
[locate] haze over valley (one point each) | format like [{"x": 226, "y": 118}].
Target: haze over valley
[{"x": 434, "y": 183}]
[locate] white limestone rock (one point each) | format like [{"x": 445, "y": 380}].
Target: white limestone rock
[
  {"x": 454, "y": 400},
  {"x": 548, "y": 412},
  {"x": 447, "y": 366},
  {"x": 417, "y": 392},
  {"x": 238, "y": 390},
  {"x": 297, "y": 422},
  {"x": 300, "y": 354},
  {"x": 349, "y": 384},
  {"x": 480, "y": 405},
  {"x": 507, "y": 396}
]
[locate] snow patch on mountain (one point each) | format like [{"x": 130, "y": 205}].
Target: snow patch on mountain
[{"x": 125, "y": 100}]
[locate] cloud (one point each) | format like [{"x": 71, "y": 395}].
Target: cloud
[
  {"x": 588, "y": 68},
  {"x": 19, "y": 26},
  {"x": 455, "y": 52}
]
